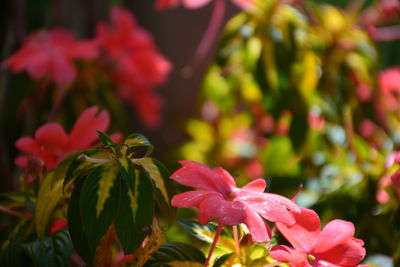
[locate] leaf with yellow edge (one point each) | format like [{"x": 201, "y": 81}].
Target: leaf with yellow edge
[
  {"x": 50, "y": 194},
  {"x": 109, "y": 174},
  {"x": 162, "y": 185}
]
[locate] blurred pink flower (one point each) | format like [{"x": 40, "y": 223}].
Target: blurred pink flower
[
  {"x": 395, "y": 178},
  {"x": 219, "y": 198},
  {"x": 334, "y": 246},
  {"x": 389, "y": 83},
  {"x": 57, "y": 225},
  {"x": 137, "y": 66},
  {"x": 316, "y": 121},
  {"x": 193, "y": 4},
  {"x": 51, "y": 53},
  {"x": 382, "y": 196},
  {"x": 51, "y": 144}
]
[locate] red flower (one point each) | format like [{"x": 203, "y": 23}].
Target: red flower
[
  {"x": 334, "y": 246},
  {"x": 389, "y": 83},
  {"x": 137, "y": 65},
  {"x": 51, "y": 144},
  {"x": 220, "y": 199},
  {"x": 51, "y": 53}
]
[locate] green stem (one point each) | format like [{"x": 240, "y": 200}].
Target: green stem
[{"x": 217, "y": 234}]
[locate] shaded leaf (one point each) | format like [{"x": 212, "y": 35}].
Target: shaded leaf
[
  {"x": 221, "y": 260},
  {"x": 135, "y": 213},
  {"x": 96, "y": 218},
  {"x": 55, "y": 250},
  {"x": 175, "y": 251},
  {"x": 10, "y": 253},
  {"x": 138, "y": 140},
  {"x": 49, "y": 195},
  {"x": 105, "y": 139}
]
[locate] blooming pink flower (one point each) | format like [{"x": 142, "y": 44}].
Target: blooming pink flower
[
  {"x": 334, "y": 246},
  {"x": 389, "y": 83},
  {"x": 219, "y": 198},
  {"x": 51, "y": 144},
  {"x": 137, "y": 65},
  {"x": 51, "y": 53}
]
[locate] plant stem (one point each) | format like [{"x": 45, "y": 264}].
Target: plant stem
[
  {"x": 236, "y": 237},
  {"x": 60, "y": 95},
  {"x": 214, "y": 243}
]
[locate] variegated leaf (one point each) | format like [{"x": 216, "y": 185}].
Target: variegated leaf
[{"x": 138, "y": 140}]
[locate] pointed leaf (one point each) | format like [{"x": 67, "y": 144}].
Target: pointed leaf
[
  {"x": 221, "y": 260},
  {"x": 97, "y": 203},
  {"x": 105, "y": 139},
  {"x": 55, "y": 250},
  {"x": 164, "y": 189},
  {"x": 138, "y": 140},
  {"x": 10, "y": 252},
  {"x": 127, "y": 172},
  {"x": 135, "y": 213},
  {"x": 75, "y": 225},
  {"x": 49, "y": 196},
  {"x": 175, "y": 251}
]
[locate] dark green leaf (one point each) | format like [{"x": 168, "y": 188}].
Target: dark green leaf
[
  {"x": 78, "y": 234},
  {"x": 105, "y": 139},
  {"x": 175, "y": 251},
  {"x": 10, "y": 253},
  {"x": 127, "y": 172},
  {"x": 135, "y": 213},
  {"x": 221, "y": 260},
  {"x": 53, "y": 251},
  {"x": 138, "y": 140},
  {"x": 96, "y": 216}
]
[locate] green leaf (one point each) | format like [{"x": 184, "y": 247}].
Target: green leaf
[
  {"x": 127, "y": 172},
  {"x": 175, "y": 251},
  {"x": 81, "y": 166},
  {"x": 75, "y": 225},
  {"x": 221, "y": 260},
  {"x": 138, "y": 140},
  {"x": 55, "y": 250},
  {"x": 105, "y": 139},
  {"x": 49, "y": 196},
  {"x": 163, "y": 185},
  {"x": 10, "y": 252},
  {"x": 135, "y": 213},
  {"x": 97, "y": 203},
  {"x": 207, "y": 233}
]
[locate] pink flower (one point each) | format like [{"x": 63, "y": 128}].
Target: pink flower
[
  {"x": 193, "y": 4},
  {"x": 389, "y": 83},
  {"x": 334, "y": 246},
  {"x": 51, "y": 53},
  {"x": 137, "y": 65},
  {"x": 219, "y": 198},
  {"x": 395, "y": 178},
  {"x": 51, "y": 144}
]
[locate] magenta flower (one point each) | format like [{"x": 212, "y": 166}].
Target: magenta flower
[
  {"x": 219, "y": 198},
  {"x": 51, "y": 144},
  {"x": 137, "y": 66},
  {"x": 389, "y": 83},
  {"x": 334, "y": 246},
  {"x": 193, "y": 4},
  {"x": 51, "y": 53}
]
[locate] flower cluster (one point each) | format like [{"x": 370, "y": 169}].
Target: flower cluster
[
  {"x": 125, "y": 51},
  {"x": 219, "y": 198}
]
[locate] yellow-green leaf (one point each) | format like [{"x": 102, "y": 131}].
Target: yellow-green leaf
[{"x": 109, "y": 173}]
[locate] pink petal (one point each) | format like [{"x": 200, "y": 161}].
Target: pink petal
[
  {"x": 296, "y": 257},
  {"x": 304, "y": 233},
  {"x": 215, "y": 207},
  {"x": 257, "y": 185},
  {"x": 199, "y": 176},
  {"x": 21, "y": 161},
  {"x": 334, "y": 233},
  {"x": 164, "y": 4},
  {"x": 193, "y": 4},
  {"x": 259, "y": 230},
  {"x": 83, "y": 133},
  {"x": 51, "y": 136},
  {"x": 61, "y": 69},
  {"x": 272, "y": 207},
  {"x": 28, "y": 145},
  {"x": 347, "y": 253},
  {"x": 190, "y": 198},
  {"x": 122, "y": 20},
  {"x": 225, "y": 175}
]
